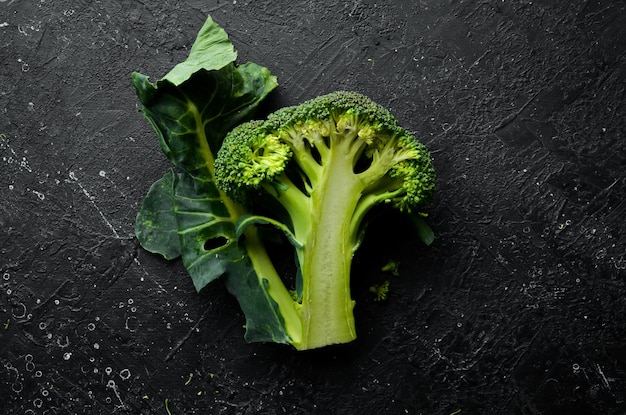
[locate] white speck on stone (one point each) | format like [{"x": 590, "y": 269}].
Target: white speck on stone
[
  {"x": 67, "y": 356},
  {"x": 125, "y": 374},
  {"x": 40, "y": 195}
]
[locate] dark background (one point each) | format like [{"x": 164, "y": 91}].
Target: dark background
[{"x": 517, "y": 308}]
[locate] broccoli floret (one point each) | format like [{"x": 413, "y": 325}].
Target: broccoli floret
[
  {"x": 327, "y": 162},
  {"x": 380, "y": 291},
  {"x": 392, "y": 267}
]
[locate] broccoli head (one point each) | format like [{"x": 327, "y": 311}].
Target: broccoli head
[{"x": 326, "y": 163}]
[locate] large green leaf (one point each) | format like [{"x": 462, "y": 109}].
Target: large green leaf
[
  {"x": 192, "y": 109},
  {"x": 184, "y": 214}
]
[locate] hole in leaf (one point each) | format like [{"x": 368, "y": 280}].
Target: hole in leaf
[{"x": 215, "y": 243}]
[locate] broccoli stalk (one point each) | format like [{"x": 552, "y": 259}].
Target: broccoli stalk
[{"x": 327, "y": 162}]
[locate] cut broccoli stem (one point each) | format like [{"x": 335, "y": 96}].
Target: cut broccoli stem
[
  {"x": 327, "y": 224},
  {"x": 327, "y": 307}
]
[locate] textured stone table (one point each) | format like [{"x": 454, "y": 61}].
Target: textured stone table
[{"x": 517, "y": 308}]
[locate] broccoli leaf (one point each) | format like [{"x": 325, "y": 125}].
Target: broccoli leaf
[
  {"x": 191, "y": 110},
  {"x": 184, "y": 214}
]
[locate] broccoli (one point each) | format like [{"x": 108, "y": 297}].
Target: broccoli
[
  {"x": 323, "y": 165},
  {"x": 380, "y": 291},
  {"x": 392, "y": 267}
]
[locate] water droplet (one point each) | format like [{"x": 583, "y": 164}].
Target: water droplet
[
  {"x": 131, "y": 323},
  {"x": 125, "y": 374},
  {"x": 19, "y": 310},
  {"x": 67, "y": 355}
]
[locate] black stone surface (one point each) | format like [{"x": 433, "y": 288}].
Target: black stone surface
[{"x": 518, "y": 307}]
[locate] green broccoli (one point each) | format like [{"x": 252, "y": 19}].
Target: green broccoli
[
  {"x": 327, "y": 163},
  {"x": 380, "y": 291},
  {"x": 392, "y": 267}
]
